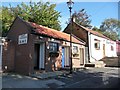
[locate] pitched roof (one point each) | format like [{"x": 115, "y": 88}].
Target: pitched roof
[
  {"x": 53, "y": 33},
  {"x": 93, "y": 32}
]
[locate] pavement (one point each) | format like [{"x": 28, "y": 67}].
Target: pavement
[
  {"x": 107, "y": 77},
  {"x": 47, "y": 75},
  {"x": 19, "y": 81},
  {"x": 0, "y": 80}
]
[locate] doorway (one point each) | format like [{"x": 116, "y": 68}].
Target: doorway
[
  {"x": 81, "y": 56},
  {"x": 39, "y": 56},
  {"x": 65, "y": 57},
  {"x": 36, "y": 57}
]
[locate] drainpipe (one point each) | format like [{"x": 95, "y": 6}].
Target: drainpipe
[{"x": 88, "y": 47}]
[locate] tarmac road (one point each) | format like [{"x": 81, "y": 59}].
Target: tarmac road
[
  {"x": 93, "y": 78},
  {"x": 89, "y": 78}
]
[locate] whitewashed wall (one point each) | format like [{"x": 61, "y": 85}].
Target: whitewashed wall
[
  {"x": 76, "y": 60},
  {"x": 109, "y": 52},
  {"x": 98, "y": 54}
]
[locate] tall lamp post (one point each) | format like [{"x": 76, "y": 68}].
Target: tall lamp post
[{"x": 70, "y": 5}]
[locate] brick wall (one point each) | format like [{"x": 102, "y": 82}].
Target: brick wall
[
  {"x": 17, "y": 57},
  {"x": 118, "y": 47},
  {"x": 20, "y": 57},
  {"x": 8, "y": 56},
  {"x": 24, "y": 57},
  {"x": 53, "y": 63}
]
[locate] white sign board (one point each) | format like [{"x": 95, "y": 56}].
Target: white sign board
[{"x": 22, "y": 39}]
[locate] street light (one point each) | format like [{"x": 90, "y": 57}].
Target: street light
[{"x": 70, "y": 5}]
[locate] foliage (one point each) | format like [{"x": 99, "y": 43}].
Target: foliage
[
  {"x": 0, "y": 21},
  {"x": 6, "y": 19},
  {"x": 40, "y": 13},
  {"x": 110, "y": 28},
  {"x": 97, "y": 29},
  {"x": 110, "y": 25},
  {"x": 112, "y": 35},
  {"x": 82, "y": 18}
]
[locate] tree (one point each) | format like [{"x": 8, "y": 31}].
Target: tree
[
  {"x": 82, "y": 18},
  {"x": 110, "y": 25},
  {"x": 110, "y": 28},
  {"x": 40, "y": 13},
  {"x": 0, "y": 21},
  {"x": 112, "y": 35},
  {"x": 96, "y": 29},
  {"x": 6, "y": 19}
]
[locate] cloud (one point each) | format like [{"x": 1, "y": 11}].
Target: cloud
[{"x": 60, "y": 1}]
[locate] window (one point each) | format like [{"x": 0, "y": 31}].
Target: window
[
  {"x": 112, "y": 48},
  {"x": 75, "y": 49},
  {"x": 53, "y": 47},
  {"x": 97, "y": 44}
]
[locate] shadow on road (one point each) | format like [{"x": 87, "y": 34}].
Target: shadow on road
[{"x": 94, "y": 78}]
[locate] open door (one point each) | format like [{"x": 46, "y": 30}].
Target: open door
[
  {"x": 42, "y": 56},
  {"x": 81, "y": 56},
  {"x": 67, "y": 56},
  {"x": 39, "y": 56}
]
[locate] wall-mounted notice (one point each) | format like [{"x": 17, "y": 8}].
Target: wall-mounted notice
[{"x": 22, "y": 39}]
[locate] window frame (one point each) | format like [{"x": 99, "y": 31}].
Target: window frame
[
  {"x": 97, "y": 44},
  {"x": 53, "y": 47},
  {"x": 75, "y": 49},
  {"x": 112, "y": 48}
]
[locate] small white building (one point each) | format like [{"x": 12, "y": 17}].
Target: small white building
[
  {"x": 100, "y": 47},
  {"x": 97, "y": 45}
]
